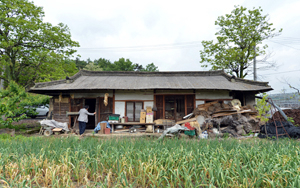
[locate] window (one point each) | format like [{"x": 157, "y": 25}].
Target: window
[{"x": 133, "y": 110}]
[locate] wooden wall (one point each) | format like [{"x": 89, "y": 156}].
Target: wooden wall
[{"x": 60, "y": 109}]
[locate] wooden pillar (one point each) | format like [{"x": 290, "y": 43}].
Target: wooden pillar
[
  {"x": 70, "y": 109},
  {"x": 97, "y": 111},
  {"x": 164, "y": 107},
  {"x": 185, "y": 105},
  {"x": 113, "y": 101}
]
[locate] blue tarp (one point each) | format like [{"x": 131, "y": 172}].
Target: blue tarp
[{"x": 98, "y": 127}]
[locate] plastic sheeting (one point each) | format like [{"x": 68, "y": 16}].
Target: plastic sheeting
[
  {"x": 98, "y": 127},
  {"x": 173, "y": 130},
  {"x": 55, "y": 124},
  {"x": 270, "y": 129}
]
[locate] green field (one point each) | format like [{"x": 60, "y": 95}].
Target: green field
[{"x": 145, "y": 162}]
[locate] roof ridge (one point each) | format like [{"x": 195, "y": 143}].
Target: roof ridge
[{"x": 156, "y": 74}]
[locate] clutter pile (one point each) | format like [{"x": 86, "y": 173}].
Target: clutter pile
[
  {"x": 217, "y": 118},
  {"x": 294, "y": 114},
  {"x": 283, "y": 127}
]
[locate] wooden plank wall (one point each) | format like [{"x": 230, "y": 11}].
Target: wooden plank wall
[{"x": 59, "y": 112}]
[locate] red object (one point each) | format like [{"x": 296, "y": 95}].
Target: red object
[
  {"x": 188, "y": 125},
  {"x": 126, "y": 118},
  {"x": 107, "y": 131}
]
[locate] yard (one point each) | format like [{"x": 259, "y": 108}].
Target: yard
[{"x": 145, "y": 162}]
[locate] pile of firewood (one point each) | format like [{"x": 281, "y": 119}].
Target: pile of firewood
[{"x": 229, "y": 118}]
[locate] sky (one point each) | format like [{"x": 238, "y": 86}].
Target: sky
[{"x": 169, "y": 33}]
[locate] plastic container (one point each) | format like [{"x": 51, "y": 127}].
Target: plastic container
[
  {"x": 204, "y": 135},
  {"x": 114, "y": 117},
  {"x": 190, "y": 133}
]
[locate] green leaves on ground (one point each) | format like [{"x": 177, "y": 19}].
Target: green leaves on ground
[{"x": 239, "y": 33}]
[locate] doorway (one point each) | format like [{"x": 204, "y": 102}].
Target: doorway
[
  {"x": 174, "y": 107},
  {"x": 92, "y": 109}
]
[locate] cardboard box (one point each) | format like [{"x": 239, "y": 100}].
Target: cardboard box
[
  {"x": 149, "y": 118},
  {"x": 142, "y": 120},
  {"x": 143, "y": 117},
  {"x": 149, "y": 109}
]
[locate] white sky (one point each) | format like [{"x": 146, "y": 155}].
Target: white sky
[{"x": 169, "y": 33}]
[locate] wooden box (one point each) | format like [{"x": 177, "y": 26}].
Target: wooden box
[{"x": 103, "y": 127}]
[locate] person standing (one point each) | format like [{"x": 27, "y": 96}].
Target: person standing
[{"x": 83, "y": 118}]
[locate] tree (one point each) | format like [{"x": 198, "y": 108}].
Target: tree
[
  {"x": 122, "y": 65},
  {"x": 105, "y": 64},
  {"x": 29, "y": 47},
  {"x": 13, "y": 100},
  {"x": 80, "y": 64},
  {"x": 91, "y": 66},
  {"x": 151, "y": 68},
  {"x": 240, "y": 32}
]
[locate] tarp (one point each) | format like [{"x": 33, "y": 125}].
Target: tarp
[
  {"x": 173, "y": 130},
  {"x": 55, "y": 124},
  {"x": 98, "y": 127},
  {"x": 270, "y": 128}
]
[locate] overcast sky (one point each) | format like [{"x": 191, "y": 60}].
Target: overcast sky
[{"x": 169, "y": 33}]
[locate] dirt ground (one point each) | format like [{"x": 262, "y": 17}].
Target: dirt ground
[{"x": 292, "y": 113}]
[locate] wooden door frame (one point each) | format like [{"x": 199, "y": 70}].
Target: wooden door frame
[{"x": 185, "y": 102}]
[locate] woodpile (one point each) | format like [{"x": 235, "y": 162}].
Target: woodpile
[{"x": 229, "y": 118}]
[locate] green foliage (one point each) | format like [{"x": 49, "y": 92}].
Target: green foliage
[
  {"x": 140, "y": 162},
  {"x": 80, "y": 64},
  {"x": 13, "y": 101},
  {"x": 105, "y": 64},
  {"x": 239, "y": 32},
  {"x": 31, "y": 50},
  {"x": 91, "y": 66},
  {"x": 121, "y": 65},
  {"x": 150, "y": 68},
  {"x": 263, "y": 107}
]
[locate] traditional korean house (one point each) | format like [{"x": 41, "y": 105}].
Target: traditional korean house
[{"x": 172, "y": 94}]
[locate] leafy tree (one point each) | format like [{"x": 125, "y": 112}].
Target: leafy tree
[
  {"x": 263, "y": 108},
  {"x": 151, "y": 68},
  {"x": 30, "y": 48},
  {"x": 91, "y": 66},
  {"x": 13, "y": 100},
  {"x": 122, "y": 65},
  {"x": 239, "y": 33},
  {"x": 105, "y": 64},
  {"x": 80, "y": 64}
]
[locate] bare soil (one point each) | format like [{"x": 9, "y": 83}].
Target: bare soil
[{"x": 292, "y": 113}]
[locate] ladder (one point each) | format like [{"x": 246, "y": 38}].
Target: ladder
[{"x": 276, "y": 119}]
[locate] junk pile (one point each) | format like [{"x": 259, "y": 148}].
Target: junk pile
[
  {"x": 217, "y": 118},
  {"x": 283, "y": 127},
  {"x": 280, "y": 123},
  {"x": 291, "y": 113},
  {"x": 49, "y": 127}
]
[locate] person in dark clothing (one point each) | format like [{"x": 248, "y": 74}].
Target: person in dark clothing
[{"x": 83, "y": 118}]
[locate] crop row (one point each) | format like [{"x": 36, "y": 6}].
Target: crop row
[{"x": 144, "y": 162}]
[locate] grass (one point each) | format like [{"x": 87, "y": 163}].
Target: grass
[{"x": 71, "y": 162}]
